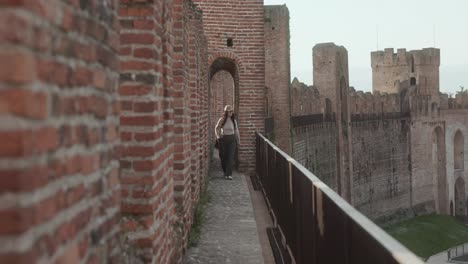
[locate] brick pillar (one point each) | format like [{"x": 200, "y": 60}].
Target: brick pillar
[
  {"x": 331, "y": 79},
  {"x": 185, "y": 113},
  {"x": 277, "y": 72},
  {"x": 147, "y": 130},
  {"x": 198, "y": 102},
  {"x": 59, "y": 183}
]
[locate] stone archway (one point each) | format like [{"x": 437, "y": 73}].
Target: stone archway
[{"x": 439, "y": 170}]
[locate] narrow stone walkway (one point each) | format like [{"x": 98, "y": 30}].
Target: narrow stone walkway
[{"x": 229, "y": 233}]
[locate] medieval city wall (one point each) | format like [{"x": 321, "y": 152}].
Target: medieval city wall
[
  {"x": 381, "y": 166},
  {"x": 400, "y": 168},
  {"x": 314, "y": 145}
]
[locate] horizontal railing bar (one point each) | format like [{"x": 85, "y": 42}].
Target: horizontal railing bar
[{"x": 398, "y": 251}]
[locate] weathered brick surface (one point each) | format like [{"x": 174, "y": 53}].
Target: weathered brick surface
[
  {"x": 382, "y": 171},
  {"x": 59, "y": 183},
  {"x": 243, "y": 22},
  {"x": 164, "y": 125},
  {"x": 315, "y": 148},
  {"x": 147, "y": 131},
  {"x": 277, "y": 72},
  {"x": 422, "y": 66}
]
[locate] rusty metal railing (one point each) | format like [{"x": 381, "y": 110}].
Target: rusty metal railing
[
  {"x": 458, "y": 251},
  {"x": 317, "y": 225}
]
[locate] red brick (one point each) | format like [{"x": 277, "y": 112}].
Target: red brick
[
  {"x": 137, "y": 208},
  {"x": 136, "y": 11},
  {"x": 23, "y": 180},
  {"x": 99, "y": 79},
  {"x": 52, "y": 72},
  {"x": 138, "y": 151},
  {"x": 143, "y": 24},
  {"x": 81, "y": 76},
  {"x": 134, "y": 90},
  {"x": 13, "y": 143},
  {"x": 144, "y": 53},
  {"x": 139, "y": 120},
  {"x": 144, "y": 107},
  {"x": 21, "y": 67},
  {"x": 131, "y": 38},
  {"x": 24, "y": 103},
  {"x": 147, "y": 136},
  {"x": 136, "y": 66}
]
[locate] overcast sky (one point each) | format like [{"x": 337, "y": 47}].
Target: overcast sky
[{"x": 354, "y": 24}]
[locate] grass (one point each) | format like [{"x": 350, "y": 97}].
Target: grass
[
  {"x": 198, "y": 219},
  {"x": 429, "y": 235}
]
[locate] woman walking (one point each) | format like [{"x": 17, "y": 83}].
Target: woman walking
[{"x": 227, "y": 132}]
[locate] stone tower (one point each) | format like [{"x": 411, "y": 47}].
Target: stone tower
[
  {"x": 332, "y": 81},
  {"x": 418, "y": 67},
  {"x": 277, "y": 71}
]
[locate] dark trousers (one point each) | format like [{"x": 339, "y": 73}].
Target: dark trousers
[{"x": 226, "y": 153}]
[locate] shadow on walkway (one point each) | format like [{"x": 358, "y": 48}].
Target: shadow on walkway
[{"x": 229, "y": 233}]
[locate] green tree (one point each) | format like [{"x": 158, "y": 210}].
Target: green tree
[{"x": 462, "y": 91}]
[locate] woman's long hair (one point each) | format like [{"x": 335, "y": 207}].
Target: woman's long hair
[{"x": 233, "y": 118}]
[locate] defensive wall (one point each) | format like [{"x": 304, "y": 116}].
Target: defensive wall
[{"x": 399, "y": 168}]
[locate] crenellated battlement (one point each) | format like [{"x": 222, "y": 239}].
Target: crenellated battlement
[
  {"x": 388, "y": 58},
  {"x": 419, "y": 67},
  {"x": 426, "y": 56},
  {"x": 373, "y": 103}
]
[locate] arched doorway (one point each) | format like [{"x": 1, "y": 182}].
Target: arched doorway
[
  {"x": 439, "y": 170},
  {"x": 222, "y": 93},
  {"x": 224, "y": 89},
  {"x": 460, "y": 197},
  {"x": 458, "y": 148},
  {"x": 459, "y": 167}
]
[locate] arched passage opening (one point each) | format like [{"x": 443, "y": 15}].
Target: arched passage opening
[
  {"x": 224, "y": 89},
  {"x": 458, "y": 147},
  {"x": 460, "y": 197},
  {"x": 222, "y": 93},
  {"x": 459, "y": 168},
  {"x": 439, "y": 170}
]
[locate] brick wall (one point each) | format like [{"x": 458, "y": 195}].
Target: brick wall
[
  {"x": 59, "y": 184},
  {"x": 243, "y": 22},
  {"x": 164, "y": 125},
  {"x": 147, "y": 131},
  {"x": 199, "y": 103}
]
